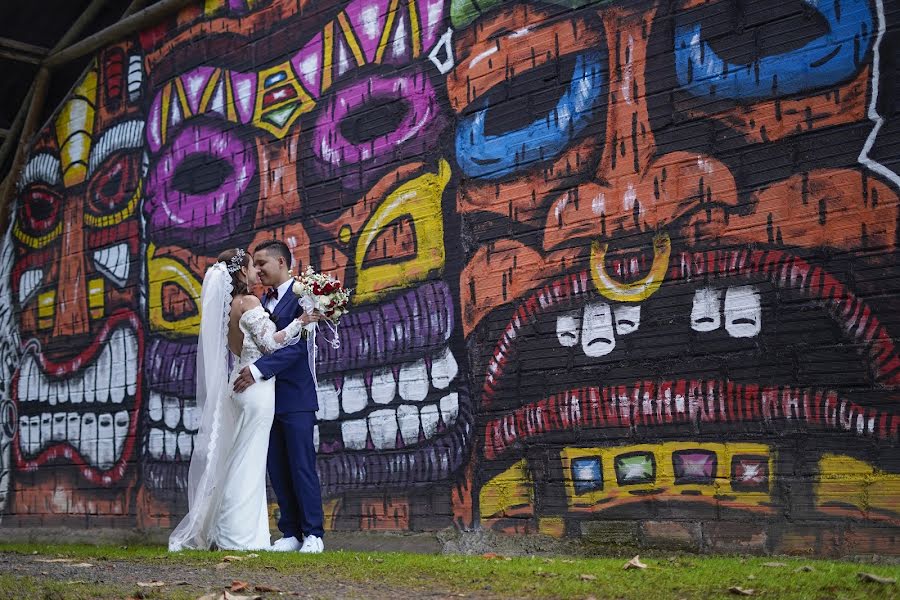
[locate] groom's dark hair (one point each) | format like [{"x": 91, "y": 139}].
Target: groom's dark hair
[{"x": 276, "y": 247}]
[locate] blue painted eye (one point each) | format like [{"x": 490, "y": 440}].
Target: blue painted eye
[
  {"x": 499, "y": 136},
  {"x": 830, "y": 58}
]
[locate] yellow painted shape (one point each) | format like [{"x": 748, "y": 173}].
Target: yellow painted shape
[
  {"x": 160, "y": 271},
  {"x": 330, "y": 510},
  {"x": 209, "y": 90},
  {"x": 664, "y": 483},
  {"x": 46, "y": 309},
  {"x": 420, "y": 200},
  {"x": 96, "y": 297},
  {"x": 303, "y": 100},
  {"x": 37, "y": 242},
  {"x": 552, "y": 526},
  {"x": 510, "y": 489},
  {"x": 636, "y": 290},
  {"x": 350, "y": 36},
  {"x": 115, "y": 218},
  {"x": 845, "y": 480},
  {"x": 393, "y": 8},
  {"x": 74, "y": 126},
  {"x": 415, "y": 30}
]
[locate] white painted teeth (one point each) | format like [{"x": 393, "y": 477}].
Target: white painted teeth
[
  {"x": 98, "y": 437},
  {"x": 412, "y": 384},
  {"x": 166, "y": 440},
  {"x": 98, "y": 434},
  {"x": 414, "y": 381},
  {"x": 705, "y": 314},
  {"x": 112, "y": 377},
  {"x": 387, "y": 404},
  {"x": 597, "y": 326},
  {"x": 742, "y": 311}
]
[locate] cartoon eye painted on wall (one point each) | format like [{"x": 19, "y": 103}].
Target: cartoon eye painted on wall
[
  {"x": 113, "y": 187},
  {"x": 370, "y": 124},
  {"x": 768, "y": 57},
  {"x": 524, "y": 121},
  {"x": 40, "y": 209},
  {"x": 200, "y": 190}
]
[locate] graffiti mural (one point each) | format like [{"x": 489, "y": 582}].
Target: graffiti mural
[{"x": 611, "y": 260}]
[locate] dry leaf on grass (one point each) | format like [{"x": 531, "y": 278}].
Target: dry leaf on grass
[
  {"x": 587, "y": 577},
  {"x": 741, "y": 591},
  {"x": 265, "y": 588},
  {"x": 490, "y": 555},
  {"x": 151, "y": 584},
  {"x": 774, "y": 564},
  {"x": 876, "y": 578},
  {"x": 635, "y": 563},
  {"x": 238, "y": 586}
]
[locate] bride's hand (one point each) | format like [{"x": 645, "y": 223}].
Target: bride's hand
[{"x": 313, "y": 317}]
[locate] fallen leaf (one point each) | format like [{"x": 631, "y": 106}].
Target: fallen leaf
[
  {"x": 265, "y": 588},
  {"x": 803, "y": 569},
  {"x": 490, "y": 555},
  {"x": 226, "y": 595},
  {"x": 151, "y": 583},
  {"x": 587, "y": 577},
  {"x": 751, "y": 576},
  {"x": 238, "y": 586},
  {"x": 54, "y": 560},
  {"x": 635, "y": 563},
  {"x": 741, "y": 591},
  {"x": 83, "y": 565},
  {"x": 774, "y": 564},
  {"x": 876, "y": 578},
  {"x": 231, "y": 558}
]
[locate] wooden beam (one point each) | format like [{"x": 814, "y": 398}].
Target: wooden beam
[
  {"x": 4, "y": 133},
  {"x": 23, "y": 47},
  {"x": 85, "y": 19},
  {"x": 148, "y": 17},
  {"x": 32, "y": 119},
  {"x": 20, "y": 56}
]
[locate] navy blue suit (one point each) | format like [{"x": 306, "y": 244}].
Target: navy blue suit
[{"x": 292, "y": 456}]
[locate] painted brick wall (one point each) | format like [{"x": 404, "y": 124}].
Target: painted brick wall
[{"x": 623, "y": 270}]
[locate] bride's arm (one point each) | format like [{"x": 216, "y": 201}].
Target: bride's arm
[{"x": 262, "y": 329}]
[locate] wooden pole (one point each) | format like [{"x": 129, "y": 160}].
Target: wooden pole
[
  {"x": 41, "y": 84},
  {"x": 140, "y": 20},
  {"x": 23, "y": 47},
  {"x": 78, "y": 26}
]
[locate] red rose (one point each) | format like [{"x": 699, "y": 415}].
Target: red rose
[{"x": 316, "y": 289}]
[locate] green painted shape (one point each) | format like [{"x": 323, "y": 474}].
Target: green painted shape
[{"x": 280, "y": 117}]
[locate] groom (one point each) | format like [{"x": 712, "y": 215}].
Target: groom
[{"x": 292, "y": 456}]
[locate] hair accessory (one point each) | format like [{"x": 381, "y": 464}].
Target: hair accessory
[{"x": 237, "y": 261}]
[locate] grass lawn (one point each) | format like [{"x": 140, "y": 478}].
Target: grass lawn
[{"x": 78, "y": 571}]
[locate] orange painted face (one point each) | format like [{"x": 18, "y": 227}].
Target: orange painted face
[
  {"x": 632, "y": 203},
  {"x": 74, "y": 280}
]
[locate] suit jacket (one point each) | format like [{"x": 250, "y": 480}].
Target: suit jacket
[{"x": 294, "y": 387}]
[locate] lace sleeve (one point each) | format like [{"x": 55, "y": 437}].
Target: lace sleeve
[{"x": 262, "y": 329}]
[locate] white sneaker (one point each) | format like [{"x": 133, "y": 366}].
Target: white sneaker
[
  {"x": 312, "y": 545},
  {"x": 288, "y": 544}
]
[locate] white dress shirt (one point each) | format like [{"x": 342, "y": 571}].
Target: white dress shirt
[{"x": 269, "y": 305}]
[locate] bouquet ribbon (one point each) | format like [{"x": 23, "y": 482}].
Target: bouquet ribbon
[{"x": 309, "y": 304}]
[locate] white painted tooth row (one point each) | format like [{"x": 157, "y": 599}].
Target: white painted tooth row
[
  {"x": 412, "y": 385},
  {"x": 382, "y": 425},
  {"x": 111, "y": 378},
  {"x": 170, "y": 411},
  {"x": 742, "y": 310},
  {"x": 596, "y": 326},
  {"x": 98, "y": 437},
  {"x": 164, "y": 444}
]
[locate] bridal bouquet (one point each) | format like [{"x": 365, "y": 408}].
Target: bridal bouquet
[{"x": 322, "y": 292}]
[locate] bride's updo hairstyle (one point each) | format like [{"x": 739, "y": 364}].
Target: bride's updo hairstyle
[{"x": 234, "y": 259}]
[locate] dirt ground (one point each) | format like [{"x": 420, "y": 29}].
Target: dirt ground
[{"x": 195, "y": 581}]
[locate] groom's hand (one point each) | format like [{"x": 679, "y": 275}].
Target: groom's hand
[{"x": 244, "y": 380}]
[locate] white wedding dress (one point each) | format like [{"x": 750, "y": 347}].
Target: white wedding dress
[{"x": 227, "y": 476}]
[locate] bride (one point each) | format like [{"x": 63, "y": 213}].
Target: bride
[{"x": 227, "y": 476}]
